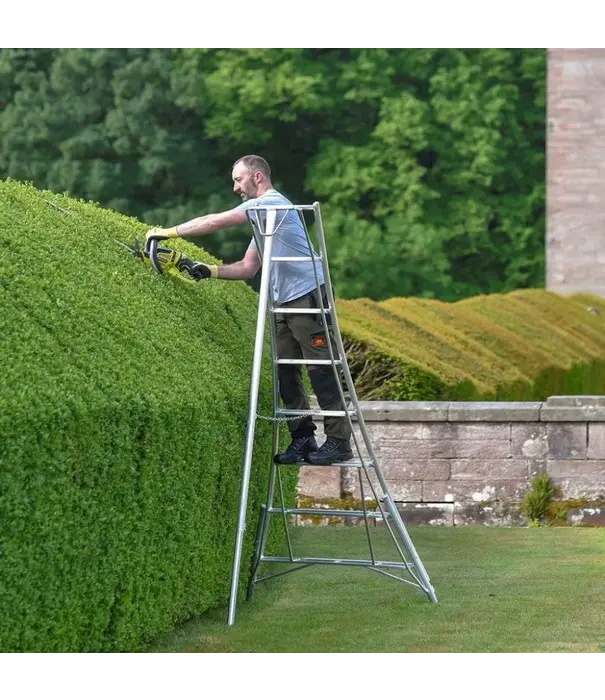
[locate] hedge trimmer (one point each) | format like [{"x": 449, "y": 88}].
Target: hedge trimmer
[{"x": 164, "y": 259}]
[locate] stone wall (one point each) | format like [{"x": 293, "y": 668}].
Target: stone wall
[
  {"x": 575, "y": 170},
  {"x": 456, "y": 463}
]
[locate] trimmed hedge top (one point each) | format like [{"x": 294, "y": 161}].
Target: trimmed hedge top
[
  {"x": 525, "y": 345},
  {"x": 70, "y": 293}
]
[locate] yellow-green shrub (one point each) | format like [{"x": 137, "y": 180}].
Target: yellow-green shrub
[
  {"x": 123, "y": 408},
  {"x": 525, "y": 345}
]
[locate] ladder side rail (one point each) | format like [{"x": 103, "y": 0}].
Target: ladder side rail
[
  {"x": 265, "y": 516},
  {"x": 274, "y": 473},
  {"x": 343, "y": 362},
  {"x": 276, "y": 404},
  {"x": 360, "y": 419},
  {"x": 327, "y": 282},
  {"x": 340, "y": 347},
  {"x": 252, "y": 412},
  {"x": 351, "y": 386}
]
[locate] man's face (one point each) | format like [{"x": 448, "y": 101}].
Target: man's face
[{"x": 244, "y": 183}]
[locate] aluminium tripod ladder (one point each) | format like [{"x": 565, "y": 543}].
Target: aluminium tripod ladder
[{"x": 263, "y": 220}]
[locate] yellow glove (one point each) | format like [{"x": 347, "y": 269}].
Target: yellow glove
[
  {"x": 160, "y": 234},
  {"x": 203, "y": 271}
]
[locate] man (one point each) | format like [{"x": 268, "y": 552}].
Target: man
[{"x": 293, "y": 285}]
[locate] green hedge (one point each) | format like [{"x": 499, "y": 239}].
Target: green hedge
[
  {"x": 521, "y": 346},
  {"x": 123, "y": 408}
]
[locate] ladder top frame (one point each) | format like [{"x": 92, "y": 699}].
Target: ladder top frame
[{"x": 284, "y": 207}]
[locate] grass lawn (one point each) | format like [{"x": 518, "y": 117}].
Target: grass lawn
[{"x": 499, "y": 590}]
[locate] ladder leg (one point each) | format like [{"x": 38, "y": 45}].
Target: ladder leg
[
  {"x": 264, "y": 520},
  {"x": 252, "y": 411},
  {"x": 258, "y": 549},
  {"x": 391, "y": 507},
  {"x": 422, "y": 574}
]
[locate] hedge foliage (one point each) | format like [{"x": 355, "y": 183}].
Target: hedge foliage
[
  {"x": 522, "y": 346},
  {"x": 123, "y": 407}
]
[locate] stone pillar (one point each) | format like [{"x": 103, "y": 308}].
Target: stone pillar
[{"x": 575, "y": 171}]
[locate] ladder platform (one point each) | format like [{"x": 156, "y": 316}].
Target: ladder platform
[
  {"x": 347, "y": 562},
  {"x": 282, "y": 207},
  {"x": 349, "y": 464},
  {"x": 317, "y": 258}
]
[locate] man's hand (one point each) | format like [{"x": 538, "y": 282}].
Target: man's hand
[
  {"x": 202, "y": 271},
  {"x": 160, "y": 234}
]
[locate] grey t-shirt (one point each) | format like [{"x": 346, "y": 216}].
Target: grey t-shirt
[{"x": 289, "y": 280}]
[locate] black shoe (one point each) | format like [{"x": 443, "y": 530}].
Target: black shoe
[
  {"x": 331, "y": 451},
  {"x": 297, "y": 450}
]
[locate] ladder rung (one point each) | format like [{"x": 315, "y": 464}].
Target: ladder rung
[
  {"x": 313, "y": 412},
  {"x": 297, "y": 259},
  {"x": 350, "y": 464},
  {"x": 347, "y": 562},
  {"x": 299, "y": 311},
  {"x": 308, "y": 362},
  {"x": 328, "y": 511}
]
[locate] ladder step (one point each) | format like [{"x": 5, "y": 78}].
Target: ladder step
[
  {"x": 308, "y": 362},
  {"x": 349, "y": 464},
  {"x": 346, "y": 562},
  {"x": 327, "y": 309},
  {"x": 297, "y": 259},
  {"x": 313, "y": 412},
  {"x": 328, "y": 511}
]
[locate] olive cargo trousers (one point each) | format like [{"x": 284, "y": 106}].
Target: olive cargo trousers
[{"x": 303, "y": 336}]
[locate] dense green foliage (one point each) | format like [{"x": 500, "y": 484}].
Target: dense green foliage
[
  {"x": 429, "y": 162},
  {"x": 123, "y": 406}
]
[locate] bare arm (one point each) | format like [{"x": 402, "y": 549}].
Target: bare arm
[
  {"x": 242, "y": 270},
  {"x": 210, "y": 223}
]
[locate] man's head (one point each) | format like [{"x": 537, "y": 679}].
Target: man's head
[{"x": 251, "y": 177}]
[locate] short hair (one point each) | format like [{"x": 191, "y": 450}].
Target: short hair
[{"x": 255, "y": 163}]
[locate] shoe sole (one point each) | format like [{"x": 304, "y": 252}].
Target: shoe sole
[
  {"x": 301, "y": 460},
  {"x": 331, "y": 460}
]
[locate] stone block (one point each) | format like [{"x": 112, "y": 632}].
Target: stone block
[
  {"x": 574, "y": 401},
  {"x": 561, "y": 414},
  {"x": 596, "y": 441},
  {"x": 404, "y": 411},
  {"x": 529, "y": 440},
  {"x": 490, "y": 469},
  {"x": 497, "y": 514},
  {"x": 414, "y": 469},
  {"x": 494, "y": 411},
  {"x": 587, "y": 515},
  {"x": 582, "y": 488},
  {"x": 475, "y": 491},
  {"x": 467, "y": 431},
  {"x": 404, "y": 489},
  {"x": 571, "y": 468},
  {"x": 319, "y": 482},
  {"x": 426, "y": 513},
  {"x": 567, "y": 440}
]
